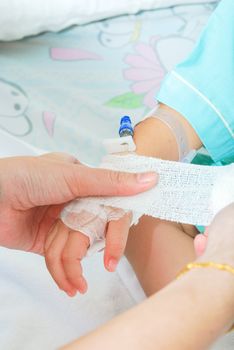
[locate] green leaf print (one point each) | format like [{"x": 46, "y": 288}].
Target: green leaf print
[{"x": 129, "y": 100}]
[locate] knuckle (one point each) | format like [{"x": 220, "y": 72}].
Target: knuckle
[
  {"x": 116, "y": 248},
  {"x": 85, "y": 241},
  {"x": 118, "y": 179},
  {"x": 66, "y": 258},
  {"x": 115, "y": 177},
  {"x": 50, "y": 256}
]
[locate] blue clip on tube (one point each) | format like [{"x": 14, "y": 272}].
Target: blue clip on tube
[{"x": 126, "y": 128}]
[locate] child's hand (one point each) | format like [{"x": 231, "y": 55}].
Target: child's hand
[{"x": 65, "y": 248}]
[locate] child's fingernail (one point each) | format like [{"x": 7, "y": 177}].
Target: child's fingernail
[
  {"x": 71, "y": 293},
  {"x": 82, "y": 286},
  {"x": 112, "y": 264},
  {"x": 83, "y": 290},
  {"x": 145, "y": 178}
]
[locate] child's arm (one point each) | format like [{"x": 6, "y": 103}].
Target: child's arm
[
  {"x": 157, "y": 249},
  {"x": 153, "y": 138}
]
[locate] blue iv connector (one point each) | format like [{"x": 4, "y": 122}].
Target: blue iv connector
[{"x": 125, "y": 128}]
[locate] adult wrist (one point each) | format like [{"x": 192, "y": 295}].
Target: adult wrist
[
  {"x": 208, "y": 265},
  {"x": 225, "y": 258},
  {"x": 218, "y": 288}
]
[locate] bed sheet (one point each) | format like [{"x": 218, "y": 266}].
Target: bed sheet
[
  {"x": 36, "y": 315},
  {"x": 66, "y": 92}
]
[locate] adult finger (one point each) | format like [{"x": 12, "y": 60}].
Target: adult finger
[
  {"x": 116, "y": 239},
  {"x": 74, "y": 251},
  {"x": 87, "y": 181},
  {"x": 143, "y": 180},
  {"x": 44, "y": 181},
  {"x": 200, "y": 242},
  {"x": 221, "y": 238},
  {"x": 60, "y": 157}
]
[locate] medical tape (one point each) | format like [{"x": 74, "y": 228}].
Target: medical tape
[
  {"x": 185, "y": 193},
  {"x": 176, "y": 127}
]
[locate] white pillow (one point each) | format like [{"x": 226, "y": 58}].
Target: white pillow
[{"x": 29, "y": 17}]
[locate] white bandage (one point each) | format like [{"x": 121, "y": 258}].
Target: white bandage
[
  {"x": 185, "y": 193},
  {"x": 90, "y": 218}
]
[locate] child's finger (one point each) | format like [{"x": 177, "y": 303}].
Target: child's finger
[
  {"x": 116, "y": 239},
  {"x": 51, "y": 235},
  {"x": 74, "y": 251},
  {"x": 53, "y": 255}
]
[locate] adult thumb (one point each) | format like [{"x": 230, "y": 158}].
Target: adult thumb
[
  {"x": 102, "y": 182},
  {"x": 88, "y": 181}
]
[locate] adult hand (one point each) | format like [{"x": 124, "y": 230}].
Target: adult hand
[
  {"x": 33, "y": 191},
  {"x": 218, "y": 241}
]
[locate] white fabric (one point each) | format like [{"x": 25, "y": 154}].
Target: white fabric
[
  {"x": 26, "y": 17},
  {"x": 10, "y": 146},
  {"x": 186, "y": 193},
  {"x": 37, "y": 315},
  {"x": 90, "y": 219}
]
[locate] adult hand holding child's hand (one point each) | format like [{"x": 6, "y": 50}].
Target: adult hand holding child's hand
[{"x": 33, "y": 191}]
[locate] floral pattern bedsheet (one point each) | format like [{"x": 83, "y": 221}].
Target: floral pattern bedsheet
[{"x": 66, "y": 91}]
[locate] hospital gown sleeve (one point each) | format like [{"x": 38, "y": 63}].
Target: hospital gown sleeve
[{"x": 202, "y": 87}]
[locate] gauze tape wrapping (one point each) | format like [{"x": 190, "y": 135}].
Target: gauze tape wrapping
[
  {"x": 90, "y": 218},
  {"x": 185, "y": 193}
]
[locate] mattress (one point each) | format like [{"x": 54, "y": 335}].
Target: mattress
[{"x": 66, "y": 92}]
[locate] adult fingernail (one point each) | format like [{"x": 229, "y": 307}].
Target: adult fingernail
[
  {"x": 112, "y": 264},
  {"x": 145, "y": 178}
]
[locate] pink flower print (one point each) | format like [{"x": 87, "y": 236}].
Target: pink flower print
[
  {"x": 146, "y": 72},
  {"x": 72, "y": 54},
  {"x": 49, "y": 121}
]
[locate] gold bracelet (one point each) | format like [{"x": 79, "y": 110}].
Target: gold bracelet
[
  {"x": 222, "y": 267},
  {"x": 190, "y": 266}
]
